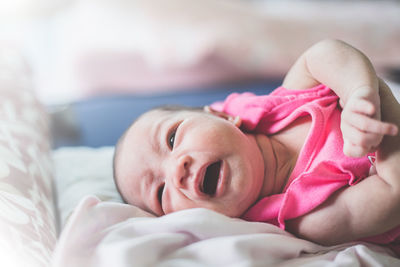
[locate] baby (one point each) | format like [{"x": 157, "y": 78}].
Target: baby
[{"x": 326, "y": 172}]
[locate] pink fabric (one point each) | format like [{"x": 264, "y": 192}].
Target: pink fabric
[{"x": 321, "y": 169}]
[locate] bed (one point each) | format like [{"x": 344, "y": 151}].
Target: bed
[
  {"x": 104, "y": 232},
  {"x": 59, "y": 206}
]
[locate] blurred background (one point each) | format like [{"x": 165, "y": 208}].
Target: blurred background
[{"x": 92, "y": 62}]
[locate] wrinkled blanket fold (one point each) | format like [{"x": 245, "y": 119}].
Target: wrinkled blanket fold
[{"x": 114, "y": 234}]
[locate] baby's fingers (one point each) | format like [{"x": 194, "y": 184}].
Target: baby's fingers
[
  {"x": 367, "y": 124},
  {"x": 359, "y": 138},
  {"x": 363, "y": 106},
  {"x": 355, "y": 151}
]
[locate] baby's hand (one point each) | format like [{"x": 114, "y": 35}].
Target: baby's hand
[{"x": 361, "y": 124}]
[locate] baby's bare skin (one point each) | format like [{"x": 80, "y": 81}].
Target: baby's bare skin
[{"x": 371, "y": 207}]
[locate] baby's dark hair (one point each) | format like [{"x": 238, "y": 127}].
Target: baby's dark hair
[{"x": 119, "y": 144}]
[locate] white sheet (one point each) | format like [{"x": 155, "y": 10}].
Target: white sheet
[
  {"x": 82, "y": 171},
  {"x": 114, "y": 234}
]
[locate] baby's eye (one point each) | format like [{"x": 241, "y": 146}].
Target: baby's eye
[
  {"x": 171, "y": 135},
  {"x": 160, "y": 193},
  {"x": 171, "y": 139}
]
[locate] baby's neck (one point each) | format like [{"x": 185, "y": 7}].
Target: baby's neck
[
  {"x": 286, "y": 159},
  {"x": 280, "y": 152},
  {"x": 279, "y": 162}
]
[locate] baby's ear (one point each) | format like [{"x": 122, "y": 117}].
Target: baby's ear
[{"x": 236, "y": 120}]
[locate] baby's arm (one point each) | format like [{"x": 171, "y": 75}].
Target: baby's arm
[
  {"x": 372, "y": 206},
  {"x": 369, "y": 208},
  {"x": 350, "y": 74}
]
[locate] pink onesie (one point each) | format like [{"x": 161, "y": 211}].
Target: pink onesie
[{"x": 321, "y": 169}]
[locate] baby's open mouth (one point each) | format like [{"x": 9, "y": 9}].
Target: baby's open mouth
[{"x": 211, "y": 177}]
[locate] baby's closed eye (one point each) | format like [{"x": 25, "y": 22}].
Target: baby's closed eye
[{"x": 160, "y": 192}]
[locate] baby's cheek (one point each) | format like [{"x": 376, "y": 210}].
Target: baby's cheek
[{"x": 174, "y": 204}]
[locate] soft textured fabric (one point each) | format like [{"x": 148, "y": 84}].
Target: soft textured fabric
[
  {"x": 82, "y": 171},
  {"x": 321, "y": 168},
  {"x": 27, "y": 213},
  {"x": 104, "y": 234}
]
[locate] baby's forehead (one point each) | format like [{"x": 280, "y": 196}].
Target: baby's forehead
[
  {"x": 157, "y": 114},
  {"x": 152, "y": 122},
  {"x": 161, "y": 114},
  {"x": 169, "y": 111},
  {"x": 149, "y": 119}
]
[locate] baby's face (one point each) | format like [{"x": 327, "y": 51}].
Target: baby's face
[{"x": 174, "y": 160}]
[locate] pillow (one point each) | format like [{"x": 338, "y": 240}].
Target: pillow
[
  {"x": 82, "y": 171},
  {"x": 28, "y": 225}
]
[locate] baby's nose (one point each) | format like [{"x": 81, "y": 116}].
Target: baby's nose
[{"x": 180, "y": 171}]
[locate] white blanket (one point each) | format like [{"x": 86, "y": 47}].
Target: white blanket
[{"x": 114, "y": 234}]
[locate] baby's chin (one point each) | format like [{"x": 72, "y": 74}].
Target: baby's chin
[
  {"x": 234, "y": 214},
  {"x": 234, "y": 210}
]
